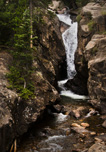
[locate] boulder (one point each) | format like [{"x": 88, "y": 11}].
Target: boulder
[
  {"x": 79, "y": 112},
  {"x": 97, "y": 72},
  {"x": 98, "y": 147},
  {"x": 93, "y": 8},
  {"x": 102, "y": 137}
]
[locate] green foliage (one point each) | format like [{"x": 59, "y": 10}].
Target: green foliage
[
  {"x": 38, "y": 16},
  {"x": 21, "y": 82},
  {"x": 51, "y": 14},
  {"x": 91, "y": 25},
  {"x": 103, "y": 12},
  {"x": 26, "y": 94},
  {"x": 11, "y": 14},
  {"x": 21, "y": 70},
  {"x": 79, "y": 17},
  {"x": 101, "y": 32},
  {"x": 104, "y": 32},
  {"x": 22, "y": 36}
]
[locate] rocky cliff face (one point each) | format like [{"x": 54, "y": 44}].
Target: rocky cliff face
[
  {"x": 7, "y": 96},
  {"x": 16, "y": 114},
  {"x": 91, "y": 53},
  {"x": 97, "y": 73}
]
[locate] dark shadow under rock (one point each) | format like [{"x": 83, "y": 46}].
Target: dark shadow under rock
[{"x": 78, "y": 85}]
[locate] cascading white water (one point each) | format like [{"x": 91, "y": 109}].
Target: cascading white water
[{"x": 70, "y": 42}]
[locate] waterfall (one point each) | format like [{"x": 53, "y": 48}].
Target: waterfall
[{"x": 70, "y": 42}]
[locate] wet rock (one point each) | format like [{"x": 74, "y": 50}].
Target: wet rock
[
  {"x": 98, "y": 139},
  {"x": 79, "y": 112},
  {"x": 103, "y": 117},
  {"x": 76, "y": 125},
  {"x": 98, "y": 147},
  {"x": 102, "y": 137},
  {"x": 77, "y": 85},
  {"x": 63, "y": 27},
  {"x": 79, "y": 129},
  {"x": 104, "y": 124},
  {"x": 85, "y": 125},
  {"x": 92, "y": 112},
  {"x": 66, "y": 110},
  {"x": 93, "y": 133},
  {"x": 58, "y": 108}
]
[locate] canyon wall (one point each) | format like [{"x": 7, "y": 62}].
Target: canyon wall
[{"x": 91, "y": 53}]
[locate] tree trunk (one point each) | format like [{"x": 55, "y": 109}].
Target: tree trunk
[{"x": 31, "y": 26}]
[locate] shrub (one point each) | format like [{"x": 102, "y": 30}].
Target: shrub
[
  {"x": 26, "y": 94},
  {"x": 79, "y": 17},
  {"x": 20, "y": 72},
  {"x": 91, "y": 25},
  {"x": 51, "y": 14}
]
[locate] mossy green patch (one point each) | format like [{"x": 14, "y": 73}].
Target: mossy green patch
[
  {"x": 79, "y": 17},
  {"x": 91, "y": 25}
]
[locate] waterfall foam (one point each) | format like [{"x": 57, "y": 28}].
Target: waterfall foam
[
  {"x": 69, "y": 93},
  {"x": 61, "y": 117}
]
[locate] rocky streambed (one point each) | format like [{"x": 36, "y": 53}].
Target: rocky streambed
[{"x": 72, "y": 126}]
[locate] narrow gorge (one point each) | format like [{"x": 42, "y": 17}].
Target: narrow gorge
[{"x": 53, "y": 76}]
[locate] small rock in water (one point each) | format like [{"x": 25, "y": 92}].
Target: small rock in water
[
  {"x": 104, "y": 124},
  {"x": 93, "y": 133},
  {"x": 79, "y": 112},
  {"x": 92, "y": 112},
  {"x": 84, "y": 125},
  {"x": 75, "y": 125},
  {"x": 102, "y": 133}
]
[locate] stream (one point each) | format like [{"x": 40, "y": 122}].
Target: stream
[{"x": 53, "y": 132}]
